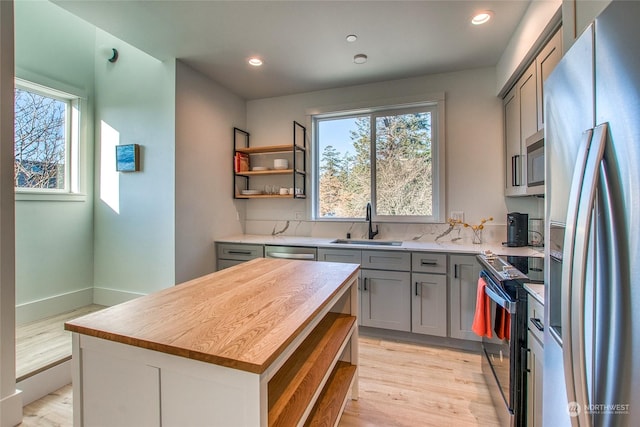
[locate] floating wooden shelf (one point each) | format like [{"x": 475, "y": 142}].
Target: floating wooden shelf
[
  {"x": 270, "y": 149},
  {"x": 270, "y": 196},
  {"x": 270, "y": 172}
]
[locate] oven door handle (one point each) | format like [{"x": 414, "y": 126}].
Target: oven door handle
[{"x": 501, "y": 300}]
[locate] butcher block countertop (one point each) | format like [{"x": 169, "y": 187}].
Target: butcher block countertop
[{"x": 242, "y": 317}]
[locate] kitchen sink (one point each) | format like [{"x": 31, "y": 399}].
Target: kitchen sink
[{"x": 367, "y": 242}]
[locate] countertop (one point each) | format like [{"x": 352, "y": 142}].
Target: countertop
[
  {"x": 411, "y": 245},
  {"x": 536, "y": 290},
  {"x": 242, "y": 317}
]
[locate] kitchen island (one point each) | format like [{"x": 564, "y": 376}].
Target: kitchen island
[{"x": 269, "y": 342}]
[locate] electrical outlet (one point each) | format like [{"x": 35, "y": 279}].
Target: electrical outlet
[
  {"x": 457, "y": 216},
  {"x": 299, "y": 216}
]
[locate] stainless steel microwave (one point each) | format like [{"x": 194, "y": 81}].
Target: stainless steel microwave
[{"x": 535, "y": 163}]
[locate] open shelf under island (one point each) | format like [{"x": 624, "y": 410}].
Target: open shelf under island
[{"x": 266, "y": 343}]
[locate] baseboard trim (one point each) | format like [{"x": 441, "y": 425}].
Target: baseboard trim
[
  {"x": 109, "y": 297},
  {"x": 464, "y": 345},
  {"x": 45, "y": 382},
  {"x": 11, "y": 409},
  {"x": 51, "y": 306}
]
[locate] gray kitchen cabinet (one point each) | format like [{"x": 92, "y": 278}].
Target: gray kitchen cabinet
[
  {"x": 429, "y": 262},
  {"x": 521, "y": 121},
  {"x": 524, "y": 115},
  {"x": 340, "y": 255},
  {"x": 230, "y": 254},
  {"x": 535, "y": 360},
  {"x": 513, "y": 145},
  {"x": 387, "y": 260},
  {"x": 464, "y": 271},
  {"x": 385, "y": 290},
  {"x": 429, "y": 304},
  {"x": 385, "y": 299},
  {"x": 546, "y": 61}
]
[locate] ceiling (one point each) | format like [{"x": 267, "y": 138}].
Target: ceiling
[{"x": 302, "y": 43}]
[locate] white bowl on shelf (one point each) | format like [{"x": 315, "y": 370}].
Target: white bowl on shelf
[
  {"x": 250, "y": 192},
  {"x": 259, "y": 168},
  {"x": 280, "y": 164}
]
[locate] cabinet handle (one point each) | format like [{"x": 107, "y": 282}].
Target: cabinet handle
[
  {"x": 516, "y": 171},
  {"x": 524, "y": 355},
  {"x": 417, "y": 284},
  {"x": 455, "y": 271},
  {"x": 428, "y": 262},
  {"x": 240, "y": 252},
  {"x": 537, "y": 323},
  {"x": 365, "y": 283}
]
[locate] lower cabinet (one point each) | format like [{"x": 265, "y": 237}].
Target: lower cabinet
[
  {"x": 535, "y": 362},
  {"x": 464, "y": 271},
  {"x": 386, "y": 299},
  {"x": 230, "y": 254},
  {"x": 429, "y": 304},
  {"x": 535, "y": 359}
]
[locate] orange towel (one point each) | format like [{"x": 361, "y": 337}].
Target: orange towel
[
  {"x": 482, "y": 318},
  {"x": 503, "y": 323}
]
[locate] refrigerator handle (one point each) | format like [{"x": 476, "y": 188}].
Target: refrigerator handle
[
  {"x": 567, "y": 264},
  {"x": 573, "y": 332},
  {"x": 609, "y": 326}
]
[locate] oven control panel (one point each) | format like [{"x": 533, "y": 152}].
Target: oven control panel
[{"x": 499, "y": 267}]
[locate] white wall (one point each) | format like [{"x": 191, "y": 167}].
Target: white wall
[
  {"x": 10, "y": 398},
  {"x": 205, "y": 116},
  {"x": 54, "y": 237},
  {"x": 134, "y": 212},
  {"x": 474, "y": 144},
  {"x": 529, "y": 36}
]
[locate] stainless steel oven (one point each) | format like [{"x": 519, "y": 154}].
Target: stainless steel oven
[{"x": 504, "y": 358}]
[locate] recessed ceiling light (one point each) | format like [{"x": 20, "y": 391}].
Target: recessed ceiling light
[
  {"x": 351, "y": 38},
  {"x": 256, "y": 62},
  {"x": 360, "y": 58},
  {"x": 482, "y": 17}
]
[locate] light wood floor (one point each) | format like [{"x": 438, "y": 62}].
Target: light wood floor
[
  {"x": 401, "y": 385},
  {"x": 44, "y": 343}
]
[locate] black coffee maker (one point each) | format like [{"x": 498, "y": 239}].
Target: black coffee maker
[{"x": 517, "y": 229}]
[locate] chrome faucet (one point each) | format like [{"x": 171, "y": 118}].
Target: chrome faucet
[{"x": 372, "y": 233}]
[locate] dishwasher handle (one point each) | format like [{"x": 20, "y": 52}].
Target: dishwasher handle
[{"x": 284, "y": 255}]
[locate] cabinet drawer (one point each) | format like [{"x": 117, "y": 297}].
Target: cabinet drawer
[
  {"x": 426, "y": 262},
  {"x": 386, "y": 260},
  {"x": 239, "y": 252},
  {"x": 340, "y": 255},
  {"x": 535, "y": 318}
]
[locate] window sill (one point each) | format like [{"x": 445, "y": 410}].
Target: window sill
[{"x": 26, "y": 196}]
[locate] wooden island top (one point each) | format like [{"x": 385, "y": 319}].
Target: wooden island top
[{"x": 242, "y": 317}]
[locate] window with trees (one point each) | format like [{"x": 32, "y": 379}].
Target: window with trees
[
  {"x": 386, "y": 157},
  {"x": 45, "y": 123}
]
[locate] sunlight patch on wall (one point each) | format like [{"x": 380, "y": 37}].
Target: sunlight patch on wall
[{"x": 109, "y": 177}]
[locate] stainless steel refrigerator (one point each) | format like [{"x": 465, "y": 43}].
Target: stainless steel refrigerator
[{"x": 592, "y": 236}]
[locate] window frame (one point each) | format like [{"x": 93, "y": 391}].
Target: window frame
[
  {"x": 72, "y": 143},
  {"x": 435, "y": 104}
]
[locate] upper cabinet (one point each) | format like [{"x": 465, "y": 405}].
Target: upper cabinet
[
  {"x": 576, "y": 17},
  {"x": 274, "y": 171},
  {"x": 524, "y": 116},
  {"x": 546, "y": 61}
]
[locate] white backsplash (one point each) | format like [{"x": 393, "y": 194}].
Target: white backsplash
[{"x": 495, "y": 234}]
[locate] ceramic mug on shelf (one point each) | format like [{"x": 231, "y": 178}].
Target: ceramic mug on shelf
[{"x": 284, "y": 191}]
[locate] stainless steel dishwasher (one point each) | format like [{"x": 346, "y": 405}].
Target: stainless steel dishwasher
[{"x": 290, "y": 252}]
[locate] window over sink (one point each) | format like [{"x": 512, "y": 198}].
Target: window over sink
[{"x": 391, "y": 156}]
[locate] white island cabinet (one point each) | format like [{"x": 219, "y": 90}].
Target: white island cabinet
[{"x": 266, "y": 343}]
